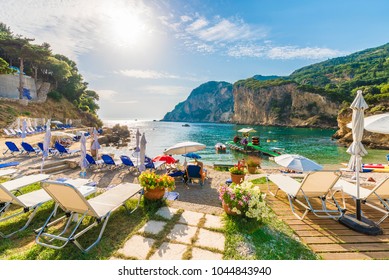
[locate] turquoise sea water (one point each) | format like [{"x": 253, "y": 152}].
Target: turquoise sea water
[{"x": 315, "y": 144}]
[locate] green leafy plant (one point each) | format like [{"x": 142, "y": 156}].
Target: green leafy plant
[
  {"x": 152, "y": 181},
  {"x": 244, "y": 199},
  {"x": 237, "y": 169}
]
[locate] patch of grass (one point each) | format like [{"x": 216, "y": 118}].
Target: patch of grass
[{"x": 259, "y": 181}]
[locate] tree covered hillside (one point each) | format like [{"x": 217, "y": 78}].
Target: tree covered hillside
[{"x": 39, "y": 62}]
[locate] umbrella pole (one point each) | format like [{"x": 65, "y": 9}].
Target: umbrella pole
[{"x": 358, "y": 200}]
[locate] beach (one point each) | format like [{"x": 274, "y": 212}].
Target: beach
[{"x": 192, "y": 197}]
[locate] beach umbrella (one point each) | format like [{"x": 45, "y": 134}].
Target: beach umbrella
[
  {"x": 378, "y": 123},
  {"x": 63, "y": 134},
  {"x": 142, "y": 152},
  {"x": 166, "y": 158},
  {"x": 95, "y": 144},
  {"x": 56, "y": 122},
  {"x": 18, "y": 124},
  {"x": 24, "y": 129},
  {"x": 46, "y": 144},
  {"x": 192, "y": 155},
  {"x": 83, "y": 160},
  {"x": 138, "y": 135},
  {"x": 297, "y": 163},
  {"x": 184, "y": 147}
]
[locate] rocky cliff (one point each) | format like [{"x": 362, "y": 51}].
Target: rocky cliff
[
  {"x": 210, "y": 102},
  {"x": 283, "y": 105}
]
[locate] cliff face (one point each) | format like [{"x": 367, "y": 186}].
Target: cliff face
[
  {"x": 210, "y": 102},
  {"x": 371, "y": 140},
  {"x": 283, "y": 105}
]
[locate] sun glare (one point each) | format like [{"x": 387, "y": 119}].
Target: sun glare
[{"x": 126, "y": 26}]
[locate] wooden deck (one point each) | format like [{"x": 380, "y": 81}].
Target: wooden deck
[{"x": 330, "y": 239}]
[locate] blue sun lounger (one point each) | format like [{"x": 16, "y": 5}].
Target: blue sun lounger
[
  {"x": 12, "y": 148},
  {"x": 108, "y": 160},
  {"x": 51, "y": 151},
  {"x": 29, "y": 149},
  {"x": 92, "y": 161},
  {"x": 62, "y": 150}
]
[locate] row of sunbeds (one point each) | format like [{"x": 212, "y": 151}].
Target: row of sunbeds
[
  {"x": 68, "y": 195},
  {"x": 27, "y": 148},
  {"x": 17, "y": 132}
]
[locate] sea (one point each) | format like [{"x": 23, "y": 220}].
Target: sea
[{"x": 313, "y": 143}]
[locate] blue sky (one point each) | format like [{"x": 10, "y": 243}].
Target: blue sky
[{"x": 143, "y": 57}]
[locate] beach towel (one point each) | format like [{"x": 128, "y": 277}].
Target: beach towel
[{"x": 7, "y": 164}]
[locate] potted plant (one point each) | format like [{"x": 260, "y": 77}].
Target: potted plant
[
  {"x": 154, "y": 185},
  {"x": 237, "y": 173},
  {"x": 252, "y": 164},
  {"x": 243, "y": 199}
]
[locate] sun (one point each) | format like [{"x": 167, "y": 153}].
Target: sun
[{"x": 126, "y": 26}]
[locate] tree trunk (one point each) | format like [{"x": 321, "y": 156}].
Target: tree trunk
[{"x": 21, "y": 84}]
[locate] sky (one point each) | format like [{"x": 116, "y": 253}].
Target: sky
[{"x": 145, "y": 56}]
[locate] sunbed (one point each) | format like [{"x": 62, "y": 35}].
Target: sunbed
[
  {"x": 29, "y": 149},
  {"x": 7, "y": 133},
  {"x": 29, "y": 202},
  {"x": 92, "y": 161},
  {"x": 51, "y": 151},
  {"x": 126, "y": 161},
  {"x": 7, "y": 172},
  {"x": 62, "y": 150},
  {"x": 74, "y": 203},
  {"x": 12, "y": 148},
  {"x": 194, "y": 172},
  {"x": 379, "y": 193},
  {"x": 17, "y": 184},
  {"x": 314, "y": 185},
  {"x": 109, "y": 161}
]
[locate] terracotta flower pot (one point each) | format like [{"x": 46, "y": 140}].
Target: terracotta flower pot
[
  {"x": 228, "y": 210},
  {"x": 237, "y": 179},
  {"x": 154, "y": 194},
  {"x": 252, "y": 169}
]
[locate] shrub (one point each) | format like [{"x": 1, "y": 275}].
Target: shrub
[{"x": 55, "y": 95}]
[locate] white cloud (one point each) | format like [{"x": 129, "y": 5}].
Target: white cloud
[
  {"x": 282, "y": 52},
  {"x": 146, "y": 74}
]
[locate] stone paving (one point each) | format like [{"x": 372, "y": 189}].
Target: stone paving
[{"x": 193, "y": 236}]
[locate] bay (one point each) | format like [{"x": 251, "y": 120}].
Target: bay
[{"x": 313, "y": 143}]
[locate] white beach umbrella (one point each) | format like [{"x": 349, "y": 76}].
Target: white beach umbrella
[
  {"x": 24, "y": 129},
  {"x": 184, "y": 148},
  {"x": 142, "y": 152},
  {"x": 138, "y": 135},
  {"x": 46, "y": 144},
  {"x": 83, "y": 161},
  {"x": 356, "y": 149},
  {"x": 378, "y": 123},
  {"x": 297, "y": 163},
  {"x": 95, "y": 144}
]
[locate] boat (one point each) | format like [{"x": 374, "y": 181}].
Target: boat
[
  {"x": 186, "y": 125},
  {"x": 220, "y": 148},
  {"x": 244, "y": 145},
  {"x": 376, "y": 167}
]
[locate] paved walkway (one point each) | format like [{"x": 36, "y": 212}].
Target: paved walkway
[{"x": 178, "y": 234}]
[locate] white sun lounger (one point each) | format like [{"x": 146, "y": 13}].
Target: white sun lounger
[
  {"x": 7, "y": 172},
  {"x": 380, "y": 193},
  {"x": 73, "y": 203},
  {"x": 17, "y": 184},
  {"x": 29, "y": 202},
  {"x": 314, "y": 185}
]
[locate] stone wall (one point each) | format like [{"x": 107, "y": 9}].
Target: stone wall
[{"x": 9, "y": 86}]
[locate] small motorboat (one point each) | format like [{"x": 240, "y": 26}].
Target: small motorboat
[
  {"x": 186, "y": 125},
  {"x": 220, "y": 148}
]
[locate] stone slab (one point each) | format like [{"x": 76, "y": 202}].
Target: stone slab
[
  {"x": 153, "y": 227},
  {"x": 212, "y": 221},
  {"x": 169, "y": 251},
  {"x": 166, "y": 212},
  {"x": 201, "y": 254},
  {"x": 190, "y": 218},
  {"x": 182, "y": 233},
  {"x": 137, "y": 247},
  {"x": 211, "y": 239}
]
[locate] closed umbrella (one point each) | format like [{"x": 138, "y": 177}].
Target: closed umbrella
[
  {"x": 24, "y": 129},
  {"x": 46, "y": 144},
  {"x": 95, "y": 144},
  {"x": 83, "y": 160},
  {"x": 357, "y": 151},
  {"x": 142, "y": 152},
  {"x": 137, "y": 149},
  {"x": 297, "y": 163}
]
